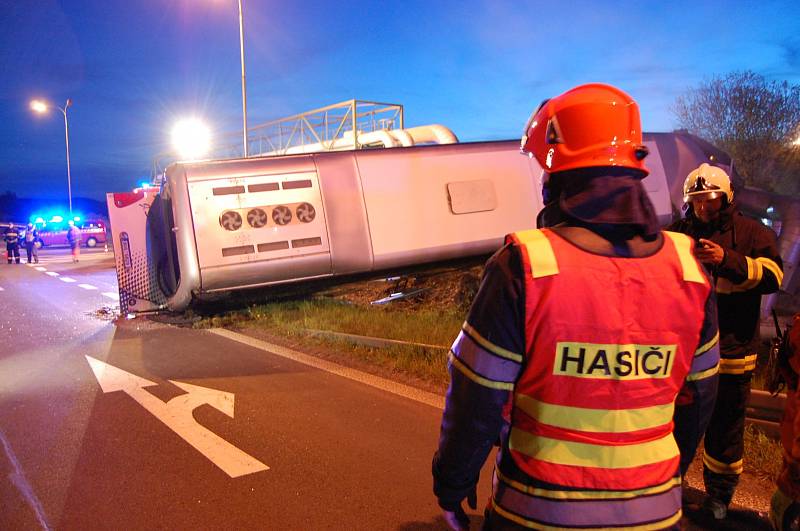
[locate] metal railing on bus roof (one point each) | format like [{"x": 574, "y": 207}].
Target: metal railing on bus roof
[{"x": 325, "y": 127}]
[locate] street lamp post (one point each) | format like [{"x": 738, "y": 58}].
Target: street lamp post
[
  {"x": 41, "y": 107},
  {"x": 244, "y": 89}
]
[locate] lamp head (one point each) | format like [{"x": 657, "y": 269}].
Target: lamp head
[{"x": 38, "y": 106}]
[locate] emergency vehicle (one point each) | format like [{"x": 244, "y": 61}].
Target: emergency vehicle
[{"x": 93, "y": 232}]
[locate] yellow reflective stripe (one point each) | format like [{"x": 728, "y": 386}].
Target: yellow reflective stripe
[
  {"x": 772, "y": 266},
  {"x": 596, "y": 420},
  {"x": 706, "y": 347},
  {"x": 683, "y": 245},
  {"x": 561, "y": 452},
  {"x": 750, "y": 358},
  {"x": 737, "y": 370},
  {"x": 703, "y": 374},
  {"x": 540, "y": 253},
  {"x": 724, "y": 286},
  {"x": 754, "y": 275},
  {"x": 532, "y": 524},
  {"x": 488, "y": 345},
  {"x": 478, "y": 379},
  {"x": 737, "y": 366},
  {"x": 587, "y": 494},
  {"x": 721, "y": 468},
  {"x": 755, "y": 272}
]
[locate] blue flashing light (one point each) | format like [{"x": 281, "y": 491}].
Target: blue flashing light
[
  {"x": 76, "y": 218},
  {"x": 144, "y": 185},
  {"x": 56, "y": 219},
  {"x": 38, "y": 220}
]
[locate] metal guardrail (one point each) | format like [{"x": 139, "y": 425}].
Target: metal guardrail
[
  {"x": 764, "y": 411},
  {"x": 377, "y": 342}
]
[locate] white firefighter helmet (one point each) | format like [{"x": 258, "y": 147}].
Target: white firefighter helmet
[{"x": 709, "y": 182}]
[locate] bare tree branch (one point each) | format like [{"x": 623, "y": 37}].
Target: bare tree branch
[{"x": 757, "y": 122}]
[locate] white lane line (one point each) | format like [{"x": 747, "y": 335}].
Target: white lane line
[
  {"x": 52, "y": 274},
  {"x": 40, "y": 268},
  {"x": 111, "y": 295},
  {"x": 19, "y": 480},
  {"x": 406, "y": 391},
  {"x": 86, "y": 286},
  {"x": 67, "y": 279}
]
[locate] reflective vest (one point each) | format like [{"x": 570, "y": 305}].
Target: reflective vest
[{"x": 609, "y": 342}]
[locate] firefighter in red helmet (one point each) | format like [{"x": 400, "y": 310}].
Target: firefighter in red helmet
[{"x": 572, "y": 355}]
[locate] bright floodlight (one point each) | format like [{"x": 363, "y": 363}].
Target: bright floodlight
[
  {"x": 39, "y": 106},
  {"x": 191, "y": 139}
]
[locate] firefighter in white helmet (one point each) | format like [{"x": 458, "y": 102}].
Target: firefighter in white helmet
[{"x": 742, "y": 256}]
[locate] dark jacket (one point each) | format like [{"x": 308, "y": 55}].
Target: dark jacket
[
  {"x": 751, "y": 267},
  {"x": 11, "y": 237}
]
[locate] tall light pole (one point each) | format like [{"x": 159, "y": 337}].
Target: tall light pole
[
  {"x": 41, "y": 107},
  {"x": 244, "y": 86}
]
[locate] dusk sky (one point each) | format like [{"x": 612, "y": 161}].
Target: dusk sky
[{"x": 478, "y": 67}]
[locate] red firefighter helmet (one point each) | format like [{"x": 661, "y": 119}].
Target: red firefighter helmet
[{"x": 587, "y": 126}]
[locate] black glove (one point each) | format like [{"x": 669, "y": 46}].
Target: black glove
[{"x": 456, "y": 518}]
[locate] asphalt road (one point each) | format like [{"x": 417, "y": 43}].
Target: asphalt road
[
  {"x": 340, "y": 454},
  {"x": 84, "y": 445}
]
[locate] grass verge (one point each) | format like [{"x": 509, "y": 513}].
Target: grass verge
[
  {"x": 431, "y": 322},
  {"x": 293, "y": 319},
  {"x": 762, "y": 455}
]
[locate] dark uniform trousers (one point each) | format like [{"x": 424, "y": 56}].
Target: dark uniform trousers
[
  {"x": 724, "y": 440},
  {"x": 12, "y": 250}
]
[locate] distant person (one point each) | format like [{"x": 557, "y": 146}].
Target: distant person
[
  {"x": 785, "y": 504},
  {"x": 74, "y": 238},
  {"x": 742, "y": 256},
  {"x": 31, "y": 235},
  {"x": 11, "y": 237},
  {"x": 579, "y": 341}
]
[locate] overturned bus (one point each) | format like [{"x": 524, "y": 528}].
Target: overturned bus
[{"x": 221, "y": 225}]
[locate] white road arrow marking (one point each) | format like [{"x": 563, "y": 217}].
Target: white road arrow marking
[{"x": 177, "y": 415}]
